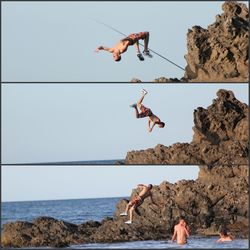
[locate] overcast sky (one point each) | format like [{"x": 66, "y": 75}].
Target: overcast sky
[{"x": 55, "y": 41}]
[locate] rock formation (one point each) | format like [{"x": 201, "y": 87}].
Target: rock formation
[
  {"x": 220, "y": 137},
  {"x": 218, "y": 198},
  {"x": 220, "y": 52}
]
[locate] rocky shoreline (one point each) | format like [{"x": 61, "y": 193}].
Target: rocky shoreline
[
  {"x": 220, "y": 137},
  {"x": 220, "y": 52},
  {"x": 219, "y": 197}
]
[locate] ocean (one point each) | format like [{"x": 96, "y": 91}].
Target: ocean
[
  {"x": 94, "y": 162},
  {"x": 76, "y": 211},
  {"x": 81, "y": 210},
  {"x": 193, "y": 242}
]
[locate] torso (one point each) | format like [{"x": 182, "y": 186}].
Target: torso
[
  {"x": 122, "y": 46},
  {"x": 181, "y": 234},
  {"x": 154, "y": 118},
  {"x": 227, "y": 238},
  {"x": 144, "y": 193}
]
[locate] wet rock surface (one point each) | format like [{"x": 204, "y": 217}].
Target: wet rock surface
[
  {"x": 220, "y": 137},
  {"x": 218, "y": 198}
]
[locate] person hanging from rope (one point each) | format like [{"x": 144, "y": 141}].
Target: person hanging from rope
[
  {"x": 122, "y": 46},
  {"x": 146, "y": 112}
]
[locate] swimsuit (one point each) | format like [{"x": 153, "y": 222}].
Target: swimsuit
[
  {"x": 133, "y": 38},
  {"x": 145, "y": 112},
  {"x": 136, "y": 201}
]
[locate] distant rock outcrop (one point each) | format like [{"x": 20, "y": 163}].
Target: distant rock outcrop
[
  {"x": 220, "y": 52},
  {"x": 220, "y": 137},
  {"x": 170, "y": 80},
  {"x": 218, "y": 198}
]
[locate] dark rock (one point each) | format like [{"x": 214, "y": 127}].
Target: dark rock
[
  {"x": 220, "y": 52},
  {"x": 119, "y": 162},
  {"x": 218, "y": 198},
  {"x": 167, "y": 80},
  {"x": 135, "y": 80},
  {"x": 220, "y": 137}
]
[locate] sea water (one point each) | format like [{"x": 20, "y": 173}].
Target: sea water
[
  {"x": 193, "y": 242},
  {"x": 78, "y": 211},
  {"x": 94, "y": 162}
]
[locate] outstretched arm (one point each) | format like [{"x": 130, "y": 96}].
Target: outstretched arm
[
  {"x": 150, "y": 128},
  {"x": 141, "y": 186},
  {"x": 111, "y": 50}
]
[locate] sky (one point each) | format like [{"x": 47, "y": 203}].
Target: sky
[
  {"x": 81, "y": 122},
  {"x": 55, "y": 41},
  {"x": 25, "y": 183}
]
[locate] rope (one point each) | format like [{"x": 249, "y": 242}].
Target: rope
[{"x": 158, "y": 54}]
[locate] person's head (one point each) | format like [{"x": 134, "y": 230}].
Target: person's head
[
  {"x": 150, "y": 186},
  {"x": 160, "y": 124},
  {"x": 117, "y": 56},
  {"x": 223, "y": 232},
  {"x": 182, "y": 220}
]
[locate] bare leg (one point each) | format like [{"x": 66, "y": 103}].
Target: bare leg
[
  {"x": 127, "y": 207},
  {"x": 137, "y": 48},
  {"x": 146, "y": 41},
  {"x": 131, "y": 213},
  {"x": 139, "y": 103},
  {"x": 136, "y": 112},
  {"x": 126, "y": 210}
]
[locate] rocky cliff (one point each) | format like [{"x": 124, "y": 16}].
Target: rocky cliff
[
  {"x": 220, "y": 137},
  {"x": 218, "y": 53},
  {"x": 218, "y": 198}
]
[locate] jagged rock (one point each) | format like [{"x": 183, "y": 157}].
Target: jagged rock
[
  {"x": 220, "y": 137},
  {"x": 46, "y": 231},
  {"x": 218, "y": 198},
  {"x": 167, "y": 80},
  {"x": 220, "y": 52}
]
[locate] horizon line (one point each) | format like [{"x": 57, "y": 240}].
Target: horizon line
[{"x": 64, "y": 199}]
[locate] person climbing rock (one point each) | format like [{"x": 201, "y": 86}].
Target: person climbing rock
[
  {"x": 145, "y": 191},
  {"x": 122, "y": 46}
]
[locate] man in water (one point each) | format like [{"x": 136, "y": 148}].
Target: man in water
[
  {"x": 181, "y": 232},
  {"x": 224, "y": 236},
  {"x": 146, "y": 112},
  {"x": 122, "y": 46},
  {"x": 145, "y": 191}
]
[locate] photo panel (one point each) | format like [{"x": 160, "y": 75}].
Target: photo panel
[
  {"x": 48, "y": 41},
  {"x": 112, "y": 124},
  {"x": 125, "y": 207}
]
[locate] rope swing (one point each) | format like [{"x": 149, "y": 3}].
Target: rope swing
[{"x": 110, "y": 27}]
